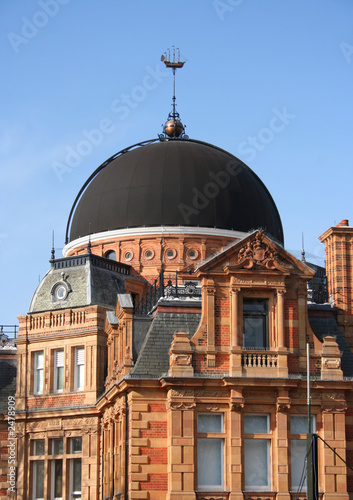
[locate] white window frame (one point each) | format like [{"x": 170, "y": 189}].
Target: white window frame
[
  {"x": 79, "y": 371},
  {"x": 266, "y": 436},
  {"x": 38, "y": 378},
  {"x": 59, "y": 362},
  {"x": 34, "y": 471},
  {"x": 213, "y": 435}
]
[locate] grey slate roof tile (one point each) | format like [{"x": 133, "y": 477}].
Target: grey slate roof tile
[{"x": 153, "y": 358}]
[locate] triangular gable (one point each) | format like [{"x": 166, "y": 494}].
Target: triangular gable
[{"x": 255, "y": 252}]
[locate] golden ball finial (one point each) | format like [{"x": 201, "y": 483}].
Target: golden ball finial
[{"x": 173, "y": 128}]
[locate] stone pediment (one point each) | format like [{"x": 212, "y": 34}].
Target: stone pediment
[{"x": 256, "y": 252}]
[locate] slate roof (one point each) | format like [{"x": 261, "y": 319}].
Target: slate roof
[
  {"x": 153, "y": 358},
  {"x": 325, "y": 324},
  {"x": 91, "y": 280}
]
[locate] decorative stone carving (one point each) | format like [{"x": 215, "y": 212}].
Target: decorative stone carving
[
  {"x": 331, "y": 360},
  {"x": 236, "y": 403},
  {"x": 259, "y": 254},
  {"x": 173, "y": 405},
  {"x": 213, "y": 408},
  {"x": 180, "y": 356},
  {"x": 213, "y": 497},
  {"x": 182, "y": 393},
  {"x": 282, "y": 406}
]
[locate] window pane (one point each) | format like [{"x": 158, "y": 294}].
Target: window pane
[
  {"x": 299, "y": 424},
  {"x": 59, "y": 378},
  {"x": 210, "y": 423},
  {"x": 76, "y": 475},
  {"x": 57, "y": 446},
  {"x": 254, "y": 331},
  {"x": 76, "y": 445},
  {"x": 38, "y": 447},
  {"x": 39, "y": 359},
  {"x": 38, "y": 372},
  {"x": 256, "y": 424},
  {"x": 39, "y": 381},
  {"x": 38, "y": 479},
  {"x": 257, "y": 463},
  {"x": 210, "y": 462},
  {"x": 298, "y": 454},
  {"x": 58, "y": 478},
  {"x": 79, "y": 368},
  {"x": 80, "y": 375},
  {"x": 255, "y": 306}
]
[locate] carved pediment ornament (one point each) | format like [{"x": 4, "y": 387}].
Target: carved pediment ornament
[{"x": 258, "y": 254}]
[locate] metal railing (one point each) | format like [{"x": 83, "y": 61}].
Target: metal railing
[
  {"x": 9, "y": 330},
  {"x": 169, "y": 288}
]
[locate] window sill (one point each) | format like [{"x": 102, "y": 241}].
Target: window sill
[{"x": 215, "y": 493}]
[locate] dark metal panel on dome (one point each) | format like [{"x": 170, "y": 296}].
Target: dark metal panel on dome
[{"x": 175, "y": 182}]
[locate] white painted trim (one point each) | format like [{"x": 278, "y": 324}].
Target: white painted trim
[{"x": 149, "y": 231}]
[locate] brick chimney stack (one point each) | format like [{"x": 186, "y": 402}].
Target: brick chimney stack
[{"x": 338, "y": 242}]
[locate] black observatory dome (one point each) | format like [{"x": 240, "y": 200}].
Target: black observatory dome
[{"x": 173, "y": 182}]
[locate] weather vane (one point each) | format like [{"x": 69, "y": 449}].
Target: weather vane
[{"x": 173, "y": 127}]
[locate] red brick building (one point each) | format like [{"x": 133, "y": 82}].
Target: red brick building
[{"x": 164, "y": 356}]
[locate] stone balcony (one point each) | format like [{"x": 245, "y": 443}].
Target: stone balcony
[{"x": 259, "y": 362}]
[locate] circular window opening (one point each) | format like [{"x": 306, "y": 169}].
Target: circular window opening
[
  {"x": 148, "y": 254},
  {"x": 60, "y": 292},
  {"x": 192, "y": 254},
  {"x": 128, "y": 255},
  {"x": 171, "y": 254}
]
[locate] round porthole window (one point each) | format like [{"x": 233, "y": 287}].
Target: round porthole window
[
  {"x": 128, "y": 256},
  {"x": 149, "y": 254},
  {"x": 192, "y": 254},
  {"x": 60, "y": 292},
  {"x": 171, "y": 253}
]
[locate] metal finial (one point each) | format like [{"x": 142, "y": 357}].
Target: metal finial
[
  {"x": 52, "y": 258},
  {"x": 303, "y": 251},
  {"x": 89, "y": 240},
  {"x": 173, "y": 126}
]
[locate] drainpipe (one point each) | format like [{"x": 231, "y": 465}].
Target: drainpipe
[
  {"x": 102, "y": 459},
  {"x": 113, "y": 460},
  {"x": 126, "y": 446}
]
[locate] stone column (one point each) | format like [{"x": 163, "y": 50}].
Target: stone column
[
  {"x": 211, "y": 292},
  {"x": 181, "y": 442},
  {"x": 235, "y": 333},
  {"x": 236, "y": 406},
  {"x": 280, "y": 318},
  {"x": 333, "y": 472},
  {"x": 281, "y": 450}
]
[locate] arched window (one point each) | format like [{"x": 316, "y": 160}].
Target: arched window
[{"x": 110, "y": 255}]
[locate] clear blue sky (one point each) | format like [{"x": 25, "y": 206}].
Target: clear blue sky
[{"x": 69, "y": 65}]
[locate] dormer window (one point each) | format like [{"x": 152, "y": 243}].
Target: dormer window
[{"x": 255, "y": 323}]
